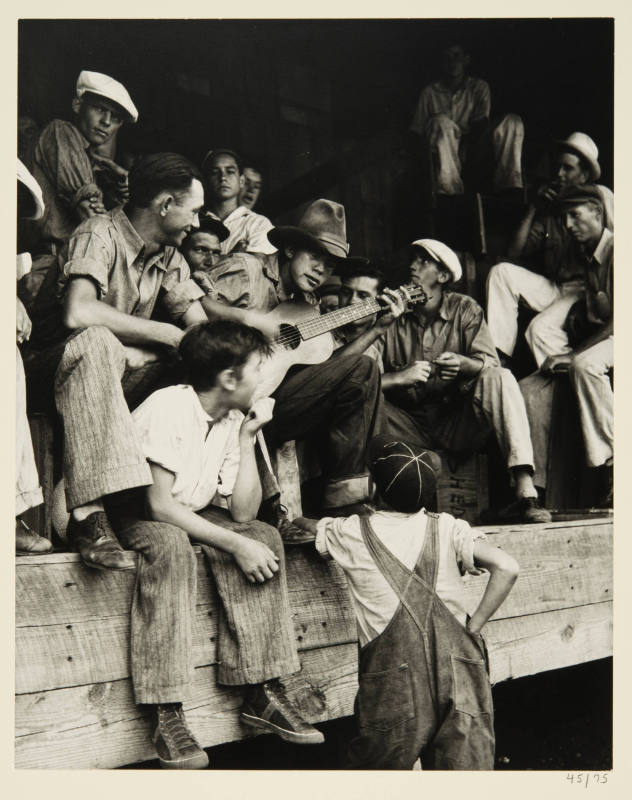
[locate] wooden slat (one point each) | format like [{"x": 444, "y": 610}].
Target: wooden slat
[
  {"x": 100, "y": 726},
  {"x": 77, "y": 650},
  {"x": 560, "y": 567},
  {"x": 551, "y": 640}
]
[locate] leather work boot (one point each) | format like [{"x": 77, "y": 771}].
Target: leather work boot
[
  {"x": 176, "y": 746},
  {"x": 96, "y": 543},
  {"x": 524, "y": 511},
  {"x": 29, "y": 543},
  {"x": 291, "y": 534},
  {"x": 267, "y": 708}
]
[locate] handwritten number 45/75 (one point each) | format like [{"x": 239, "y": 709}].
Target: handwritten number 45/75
[{"x": 585, "y": 778}]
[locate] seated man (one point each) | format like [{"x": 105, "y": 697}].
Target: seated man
[
  {"x": 66, "y": 161},
  {"x": 202, "y": 247},
  {"x": 585, "y": 344},
  {"x": 223, "y": 183},
  {"x": 253, "y": 182},
  {"x": 453, "y": 113},
  {"x": 444, "y": 382},
  {"x": 199, "y": 439},
  {"x": 101, "y": 349},
  {"x": 552, "y": 277},
  {"x": 339, "y": 398}
]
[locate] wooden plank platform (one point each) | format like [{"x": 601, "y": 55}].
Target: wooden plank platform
[{"x": 74, "y": 702}]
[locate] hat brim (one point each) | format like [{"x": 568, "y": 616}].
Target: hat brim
[
  {"x": 595, "y": 169},
  {"x": 290, "y": 235},
  {"x": 127, "y": 115}
]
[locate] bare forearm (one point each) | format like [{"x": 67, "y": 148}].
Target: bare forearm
[
  {"x": 246, "y": 497},
  {"x": 359, "y": 345},
  {"x": 517, "y": 244},
  {"x": 498, "y": 587},
  {"x": 129, "y": 329},
  {"x": 201, "y": 530}
]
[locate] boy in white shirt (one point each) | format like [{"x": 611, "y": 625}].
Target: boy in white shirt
[
  {"x": 199, "y": 441},
  {"x": 423, "y": 673}
]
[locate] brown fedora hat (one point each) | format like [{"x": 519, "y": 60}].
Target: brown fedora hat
[{"x": 322, "y": 227}]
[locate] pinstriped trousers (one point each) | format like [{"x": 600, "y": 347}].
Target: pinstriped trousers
[
  {"x": 255, "y": 636},
  {"x": 94, "y": 390}
]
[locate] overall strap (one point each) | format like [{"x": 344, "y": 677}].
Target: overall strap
[
  {"x": 428, "y": 564},
  {"x": 398, "y": 576}
]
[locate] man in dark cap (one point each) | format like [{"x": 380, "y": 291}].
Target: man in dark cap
[
  {"x": 551, "y": 277},
  {"x": 584, "y": 341}
]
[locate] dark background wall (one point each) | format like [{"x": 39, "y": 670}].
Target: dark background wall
[{"x": 295, "y": 95}]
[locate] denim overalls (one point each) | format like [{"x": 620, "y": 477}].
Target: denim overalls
[{"x": 424, "y": 681}]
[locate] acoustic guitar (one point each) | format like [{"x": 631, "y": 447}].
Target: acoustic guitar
[{"x": 305, "y": 335}]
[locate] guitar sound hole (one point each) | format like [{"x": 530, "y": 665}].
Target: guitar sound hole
[{"x": 289, "y": 337}]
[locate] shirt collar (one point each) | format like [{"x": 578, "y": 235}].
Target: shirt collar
[
  {"x": 134, "y": 245},
  {"x": 443, "y": 312},
  {"x": 240, "y": 211},
  {"x": 603, "y": 248}
]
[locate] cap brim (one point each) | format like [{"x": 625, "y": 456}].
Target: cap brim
[
  {"x": 129, "y": 117},
  {"x": 288, "y": 234}
]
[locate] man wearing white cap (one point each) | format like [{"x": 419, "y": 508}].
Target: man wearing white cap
[
  {"x": 68, "y": 156},
  {"x": 442, "y": 375},
  {"x": 552, "y": 278}
]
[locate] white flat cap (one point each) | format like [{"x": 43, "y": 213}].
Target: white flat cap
[
  {"x": 443, "y": 254},
  {"x": 103, "y": 85}
]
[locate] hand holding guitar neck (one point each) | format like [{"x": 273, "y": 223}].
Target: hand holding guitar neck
[{"x": 395, "y": 304}]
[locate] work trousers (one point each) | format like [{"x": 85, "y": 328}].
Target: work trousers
[
  {"x": 255, "y": 635},
  {"x": 507, "y": 284},
  {"x": 591, "y": 383},
  {"x": 423, "y": 682},
  {"x": 503, "y": 139},
  {"x": 340, "y": 399},
  {"x": 28, "y": 492},
  {"x": 463, "y": 422}
]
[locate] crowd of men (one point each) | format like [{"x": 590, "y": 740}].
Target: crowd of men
[{"x": 150, "y": 302}]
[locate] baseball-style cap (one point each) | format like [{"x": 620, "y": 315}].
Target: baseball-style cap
[
  {"x": 104, "y": 86},
  {"x": 404, "y": 474},
  {"x": 443, "y": 254},
  {"x": 576, "y": 195}
]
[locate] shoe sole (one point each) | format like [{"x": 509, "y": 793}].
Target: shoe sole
[
  {"x": 196, "y": 762},
  {"x": 316, "y": 737},
  {"x": 103, "y": 568}
]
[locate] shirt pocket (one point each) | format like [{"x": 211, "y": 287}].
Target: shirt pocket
[
  {"x": 471, "y": 687},
  {"x": 385, "y": 699}
]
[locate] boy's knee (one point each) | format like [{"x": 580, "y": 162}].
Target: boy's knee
[
  {"x": 168, "y": 543},
  {"x": 268, "y": 535},
  {"x": 95, "y": 344}
]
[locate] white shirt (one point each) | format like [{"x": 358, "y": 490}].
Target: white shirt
[
  {"x": 246, "y": 224},
  {"x": 374, "y": 600},
  {"x": 178, "y": 434}
]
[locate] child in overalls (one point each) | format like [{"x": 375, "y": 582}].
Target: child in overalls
[{"x": 424, "y": 674}]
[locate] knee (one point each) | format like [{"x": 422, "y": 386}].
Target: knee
[
  {"x": 495, "y": 377},
  {"x": 441, "y": 124},
  {"x": 535, "y": 330},
  {"x": 583, "y": 366},
  {"x": 500, "y": 273},
  {"x": 96, "y": 343},
  {"x": 168, "y": 544},
  {"x": 512, "y": 122},
  {"x": 268, "y": 535}
]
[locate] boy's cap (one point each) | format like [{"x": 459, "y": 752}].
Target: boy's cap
[
  {"x": 443, "y": 254},
  {"x": 405, "y": 475},
  {"x": 103, "y": 85}
]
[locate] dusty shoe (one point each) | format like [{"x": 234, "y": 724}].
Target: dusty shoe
[
  {"x": 94, "y": 540},
  {"x": 29, "y": 543},
  {"x": 176, "y": 746},
  {"x": 291, "y": 533},
  {"x": 523, "y": 511},
  {"x": 267, "y": 708}
]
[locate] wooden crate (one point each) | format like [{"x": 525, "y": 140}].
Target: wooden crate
[
  {"x": 74, "y": 705},
  {"x": 462, "y": 488}
]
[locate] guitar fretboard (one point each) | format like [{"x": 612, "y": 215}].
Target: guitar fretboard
[{"x": 337, "y": 319}]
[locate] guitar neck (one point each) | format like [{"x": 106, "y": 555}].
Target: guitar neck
[{"x": 315, "y": 326}]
